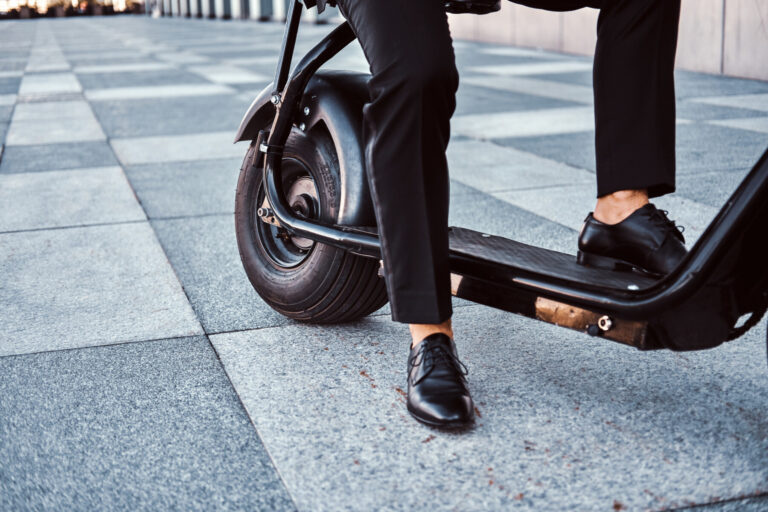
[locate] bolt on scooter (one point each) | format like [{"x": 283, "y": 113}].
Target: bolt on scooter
[{"x": 307, "y": 236}]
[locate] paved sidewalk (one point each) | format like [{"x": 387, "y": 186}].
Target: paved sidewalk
[{"x": 139, "y": 369}]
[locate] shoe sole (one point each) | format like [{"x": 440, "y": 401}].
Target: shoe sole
[
  {"x": 445, "y": 425},
  {"x": 608, "y": 263}
]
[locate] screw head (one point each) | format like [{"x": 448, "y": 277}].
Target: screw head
[
  {"x": 275, "y": 99},
  {"x": 302, "y": 127},
  {"x": 306, "y": 111}
]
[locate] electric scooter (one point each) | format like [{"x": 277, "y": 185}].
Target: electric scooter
[{"x": 307, "y": 236}]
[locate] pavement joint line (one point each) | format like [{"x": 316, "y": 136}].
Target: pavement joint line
[
  {"x": 253, "y": 424},
  {"x": 74, "y": 226},
  {"x": 718, "y": 502},
  {"x": 91, "y": 347}
]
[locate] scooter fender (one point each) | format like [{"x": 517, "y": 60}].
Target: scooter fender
[{"x": 333, "y": 100}]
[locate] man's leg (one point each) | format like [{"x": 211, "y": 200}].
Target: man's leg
[
  {"x": 635, "y": 133},
  {"x": 407, "y": 128},
  {"x": 634, "y": 91}
]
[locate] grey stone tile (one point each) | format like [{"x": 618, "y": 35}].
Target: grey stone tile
[
  {"x": 753, "y": 124},
  {"x": 47, "y": 157},
  {"x": 481, "y": 212},
  {"x": 566, "y": 422},
  {"x": 689, "y": 84},
  {"x": 5, "y": 114},
  {"x": 176, "y": 189},
  {"x": 490, "y": 167},
  {"x": 48, "y": 83},
  {"x": 712, "y": 188},
  {"x": 701, "y": 147},
  {"x": 576, "y": 149},
  {"x": 531, "y": 123},
  {"x": 757, "y": 504},
  {"x": 53, "y": 122},
  {"x": 79, "y": 287},
  {"x": 171, "y": 116},
  {"x": 143, "y": 426},
  {"x": 569, "y": 205},
  {"x": 473, "y": 99},
  {"x": 176, "y": 148},
  {"x": 66, "y": 198},
  {"x": 203, "y": 252},
  {"x": 9, "y": 85},
  {"x": 138, "y": 78},
  {"x": 703, "y": 112}
]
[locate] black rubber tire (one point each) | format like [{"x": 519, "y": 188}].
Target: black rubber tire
[{"x": 329, "y": 285}]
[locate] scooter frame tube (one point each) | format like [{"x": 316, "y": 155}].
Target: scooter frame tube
[{"x": 698, "y": 267}]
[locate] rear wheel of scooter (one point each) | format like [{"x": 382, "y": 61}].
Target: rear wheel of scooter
[{"x": 300, "y": 278}]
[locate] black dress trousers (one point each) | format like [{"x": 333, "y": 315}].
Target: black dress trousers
[{"x": 407, "y": 125}]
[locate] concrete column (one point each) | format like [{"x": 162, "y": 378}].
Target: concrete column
[
  {"x": 279, "y": 9},
  {"x": 208, "y": 8},
  {"x": 184, "y": 8},
  {"x": 194, "y": 8},
  {"x": 235, "y": 9},
  {"x": 223, "y": 9}
]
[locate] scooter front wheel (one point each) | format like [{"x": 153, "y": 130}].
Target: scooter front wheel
[{"x": 300, "y": 278}]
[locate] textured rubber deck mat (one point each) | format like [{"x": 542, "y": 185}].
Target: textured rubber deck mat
[{"x": 501, "y": 252}]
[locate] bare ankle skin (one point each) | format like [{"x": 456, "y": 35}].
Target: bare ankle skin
[
  {"x": 421, "y": 331},
  {"x": 614, "y": 208}
]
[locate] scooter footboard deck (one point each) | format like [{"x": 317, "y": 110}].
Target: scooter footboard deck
[
  {"x": 510, "y": 258},
  {"x": 501, "y": 262}
]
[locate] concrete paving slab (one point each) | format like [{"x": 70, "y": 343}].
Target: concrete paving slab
[
  {"x": 176, "y": 148},
  {"x": 153, "y": 78},
  {"x": 53, "y": 122},
  {"x": 176, "y": 189},
  {"x": 725, "y": 148},
  {"x": 689, "y": 84},
  {"x": 47, "y": 157},
  {"x": 172, "y": 116},
  {"x": 5, "y": 114},
  {"x": 156, "y": 91},
  {"x": 143, "y": 426},
  {"x": 49, "y": 83},
  {"x": 533, "y": 68},
  {"x": 203, "y": 252},
  {"x": 9, "y": 85},
  {"x": 535, "y": 87},
  {"x": 690, "y": 109},
  {"x": 80, "y": 287},
  {"x": 712, "y": 188},
  {"x": 481, "y": 212},
  {"x": 747, "y": 101},
  {"x": 570, "y": 205},
  {"x": 66, "y": 198},
  {"x": 489, "y": 167},
  {"x": 753, "y": 124},
  {"x": 182, "y": 58},
  {"x": 121, "y": 68},
  {"x": 228, "y": 74},
  {"x": 530, "y": 123},
  {"x": 566, "y": 422},
  {"x": 473, "y": 99}
]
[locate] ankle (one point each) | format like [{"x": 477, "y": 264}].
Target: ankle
[
  {"x": 421, "y": 331},
  {"x": 614, "y": 208}
]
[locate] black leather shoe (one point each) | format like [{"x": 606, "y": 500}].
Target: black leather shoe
[
  {"x": 646, "y": 241},
  {"x": 437, "y": 387}
]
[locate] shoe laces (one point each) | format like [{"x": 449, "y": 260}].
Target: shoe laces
[
  {"x": 434, "y": 355},
  {"x": 661, "y": 220}
]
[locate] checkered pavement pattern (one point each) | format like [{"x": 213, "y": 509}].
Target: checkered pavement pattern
[{"x": 140, "y": 370}]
